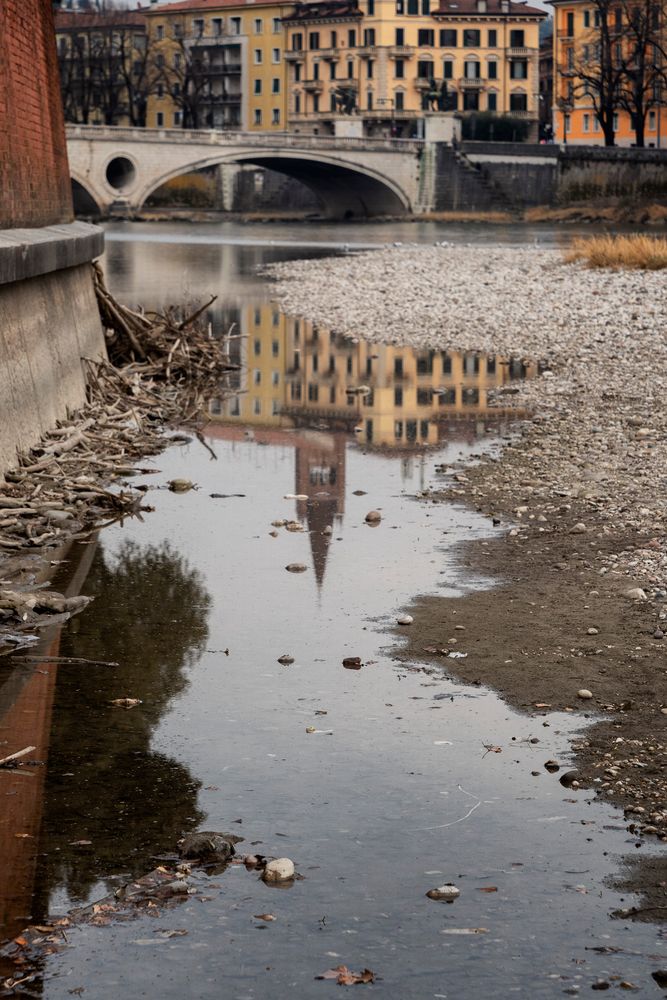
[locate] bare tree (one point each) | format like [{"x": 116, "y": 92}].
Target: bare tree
[
  {"x": 187, "y": 79},
  {"x": 643, "y": 48}
]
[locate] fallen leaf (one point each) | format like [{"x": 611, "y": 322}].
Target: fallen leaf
[
  {"x": 264, "y": 916},
  {"x": 80, "y": 843},
  {"x": 487, "y": 888},
  {"x": 345, "y": 976},
  {"x": 125, "y": 702}
]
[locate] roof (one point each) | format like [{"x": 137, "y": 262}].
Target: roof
[
  {"x": 324, "y": 9},
  {"x": 494, "y": 8},
  {"x": 199, "y": 6},
  {"x": 66, "y": 20}
]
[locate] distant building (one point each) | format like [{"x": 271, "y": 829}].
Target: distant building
[
  {"x": 546, "y": 77},
  {"x": 105, "y": 71}
]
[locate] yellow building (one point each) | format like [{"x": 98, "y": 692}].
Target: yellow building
[
  {"x": 576, "y": 44},
  {"x": 218, "y": 64},
  {"x": 389, "y": 61}
]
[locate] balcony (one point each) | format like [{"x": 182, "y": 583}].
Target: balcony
[
  {"x": 565, "y": 35},
  {"x": 294, "y": 55},
  {"x": 401, "y": 52},
  {"x": 471, "y": 82},
  {"x": 423, "y": 83},
  {"x": 313, "y": 86},
  {"x": 522, "y": 114},
  {"x": 520, "y": 52},
  {"x": 330, "y": 55},
  {"x": 367, "y": 51},
  {"x": 228, "y": 69}
]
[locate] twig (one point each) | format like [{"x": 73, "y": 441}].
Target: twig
[{"x": 15, "y": 756}]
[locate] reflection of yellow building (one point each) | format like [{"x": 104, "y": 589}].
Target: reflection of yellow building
[
  {"x": 396, "y": 397},
  {"x": 218, "y": 65}
]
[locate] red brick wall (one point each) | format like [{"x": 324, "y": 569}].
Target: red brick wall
[{"x": 34, "y": 176}]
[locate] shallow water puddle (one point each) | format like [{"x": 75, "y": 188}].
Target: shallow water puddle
[{"x": 380, "y": 783}]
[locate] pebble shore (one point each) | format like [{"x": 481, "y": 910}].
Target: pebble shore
[{"x": 598, "y": 433}]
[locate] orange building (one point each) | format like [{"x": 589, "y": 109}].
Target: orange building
[{"x": 576, "y": 42}]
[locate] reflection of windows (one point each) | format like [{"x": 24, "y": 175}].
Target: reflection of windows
[
  {"x": 313, "y": 392},
  {"x": 349, "y": 365},
  {"x": 296, "y": 390},
  {"x": 332, "y": 394},
  {"x": 369, "y": 399},
  {"x": 257, "y": 376},
  {"x": 446, "y": 364},
  {"x": 471, "y": 364},
  {"x": 470, "y": 397},
  {"x": 398, "y": 367},
  {"x": 257, "y": 347},
  {"x": 411, "y": 430},
  {"x": 448, "y": 397},
  {"x": 398, "y": 396},
  {"x": 423, "y": 397},
  {"x": 425, "y": 364},
  {"x": 275, "y": 348},
  {"x": 275, "y": 408},
  {"x": 423, "y": 428},
  {"x": 257, "y": 407},
  {"x": 322, "y": 475},
  {"x": 369, "y": 430},
  {"x": 216, "y": 406},
  {"x": 398, "y": 429},
  {"x": 275, "y": 378},
  {"x": 490, "y": 366}
]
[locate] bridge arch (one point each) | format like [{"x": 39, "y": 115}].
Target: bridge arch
[
  {"x": 346, "y": 189},
  {"x": 86, "y": 200}
]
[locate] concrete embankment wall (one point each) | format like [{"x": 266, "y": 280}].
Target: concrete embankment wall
[
  {"x": 48, "y": 322},
  {"x": 48, "y": 313},
  {"x": 486, "y": 176}
]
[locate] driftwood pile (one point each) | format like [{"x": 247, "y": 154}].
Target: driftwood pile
[{"x": 161, "y": 370}]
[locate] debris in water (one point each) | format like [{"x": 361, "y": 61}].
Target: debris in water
[
  {"x": 584, "y": 693},
  {"x": 352, "y": 663},
  {"x": 208, "y": 845},
  {"x": 345, "y": 977},
  {"x": 180, "y": 485},
  {"x": 286, "y": 659},
  {"x": 552, "y": 766},
  {"x": 373, "y": 517},
  {"x": 125, "y": 702},
  {"x": 264, "y": 916},
  {"x": 405, "y": 620},
  {"x": 13, "y": 757},
  {"x": 296, "y": 567}
]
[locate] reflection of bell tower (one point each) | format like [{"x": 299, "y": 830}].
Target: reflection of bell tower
[{"x": 319, "y": 472}]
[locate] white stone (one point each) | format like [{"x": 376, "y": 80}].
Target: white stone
[
  {"x": 584, "y": 693},
  {"x": 279, "y": 870},
  {"x": 405, "y": 619}
]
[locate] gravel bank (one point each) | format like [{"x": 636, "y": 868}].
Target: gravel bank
[{"x": 582, "y": 487}]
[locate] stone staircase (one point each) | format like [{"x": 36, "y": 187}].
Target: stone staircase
[{"x": 462, "y": 186}]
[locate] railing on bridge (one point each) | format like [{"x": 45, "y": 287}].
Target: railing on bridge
[{"x": 223, "y": 137}]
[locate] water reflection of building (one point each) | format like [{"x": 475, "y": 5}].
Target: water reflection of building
[{"x": 296, "y": 373}]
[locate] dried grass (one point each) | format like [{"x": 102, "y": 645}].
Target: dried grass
[{"x": 646, "y": 253}]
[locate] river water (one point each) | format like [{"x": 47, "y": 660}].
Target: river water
[{"x": 395, "y": 791}]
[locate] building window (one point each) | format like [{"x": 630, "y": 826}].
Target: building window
[
  {"x": 519, "y": 69},
  {"x": 159, "y": 90},
  {"x": 651, "y": 121},
  {"x": 400, "y": 7},
  {"x": 257, "y": 87},
  {"x": 398, "y": 396},
  {"x": 350, "y": 71},
  {"x": 413, "y": 7},
  {"x": 334, "y": 39},
  {"x": 371, "y": 8},
  {"x": 297, "y": 104},
  {"x": 276, "y": 26},
  {"x": 369, "y": 69},
  {"x": 235, "y": 28},
  {"x": 398, "y": 100},
  {"x": 177, "y": 60},
  {"x": 351, "y": 38},
  {"x": 257, "y": 407},
  {"x": 159, "y": 60},
  {"x": 332, "y": 70},
  {"x": 493, "y": 38},
  {"x": 587, "y": 123},
  {"x": 316, "y": 71},
  {"x": 448, "y": 38},
  {"x": 178, "y": 30},
  {"x": 471, "y": 38},
  {"x": 258, "y": 26},
  {"x": 587, "y": 19},
  {"x": 258, "y": 57},
  {"x": 316, "y": 103},
  {"x": 448, "y": 69},
  {"x": 297, "y": 42},
  {"x": 297, "y": 72},
  {"x": 275, "y": 116},
  {"x": 216, "y": 22},
  {"x": 399, "y": 69},
  {"x": 492, "y": 102},
  {"x": 472, "y": 70},
  {"x": 159, "y": 32},
  {"x": 425, "y": 36},
  {"x": 369, "y": 36},
  {"x": 178, "y": 119},
  {"x": 159, "y": 119},
  {"x": 369, "y": 100},
  {"x": 275, "y": 55},
  {"x": 568, "y": 122},
  {"x": 313, "y": 392},
  {"x": 471, "y": 100},
  {"x": 314, "y": 40},
  {"x": 517, "y": 39},
  {"x": 275, "y": 85},
  {"x": 518, "y": 102},
  {"x": 425, "y": 69},
  {"x": 198, "y": 27},
  {"x": 258, "y": 116},
  {"x": 616, "y": 123},
  {"x": 400, "y": 36},
  {"x": 492, "y": 70}
]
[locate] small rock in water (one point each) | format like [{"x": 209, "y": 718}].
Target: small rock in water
[
  {"x": 180, "y": 485},
  {"x": 584, "y": 693},
  {"x": 373, "y": 517},
  {"x": 405, "y": 619},
  {"x": 286, "y": 659},
  {"x": 593, "y": 631},
  {"x": 208, "y": 845},
  {"x": 279, "y": 870},
  {"x": 635, "y": 594},
  {"x": 296, "y": 496},
  {"x": 358, "y": 493},
  {"x": 552, "y": 766},
  {"x": 446, "y": 893},
  {"x": 658, "y": 634},
  {"x": 570, "y": 779},
  {"x": 352, "y": 663},
  {"x": 294, "y": 526},
  {"x": 296, "y": 567}
]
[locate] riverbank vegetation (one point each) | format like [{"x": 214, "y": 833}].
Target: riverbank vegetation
[{"x": 635, "y": 252}]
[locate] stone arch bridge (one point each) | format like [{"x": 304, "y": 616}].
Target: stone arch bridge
[{"x": 120, "y": 167}]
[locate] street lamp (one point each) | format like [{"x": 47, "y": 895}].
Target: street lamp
[
  {"x": 565, "y": 107},
  {"x": 390, "y": 102}
]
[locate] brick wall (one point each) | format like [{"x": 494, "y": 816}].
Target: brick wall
[{"x": 34, "y": 176}]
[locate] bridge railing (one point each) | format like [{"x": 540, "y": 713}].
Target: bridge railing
[{"x": 225, "y": 137}]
